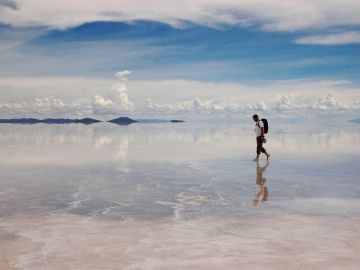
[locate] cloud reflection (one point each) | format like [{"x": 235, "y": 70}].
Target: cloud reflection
[{"x": 79, "y": 145}]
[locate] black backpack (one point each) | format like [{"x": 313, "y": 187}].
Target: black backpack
[{"x": 266, "y": 125}]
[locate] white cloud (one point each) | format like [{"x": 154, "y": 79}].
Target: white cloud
[
  {"x": 174, "y": 98},
  {"x": 120, "y": 101},
  {"x": 103, "y": 102},
  {"x": 329, "y": 102},
  {"x": 284, "y": 103},
  {"x": 273, "y": 15},
  {"x": 122, "y": 75},
  {"x": 44, "y": 107},
  {"x": 320, "y": 106},
  {"x": 351, "y": 37}
]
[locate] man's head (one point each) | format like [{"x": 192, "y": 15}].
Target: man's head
[{"x": 255, "y": 117}]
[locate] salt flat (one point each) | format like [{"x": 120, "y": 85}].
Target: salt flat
[{"x": 186, "y": 196}]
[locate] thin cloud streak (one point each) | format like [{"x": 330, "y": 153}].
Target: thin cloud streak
[
  {"x": 271, "y": 15},
  {"x": 351, "y": 37}
]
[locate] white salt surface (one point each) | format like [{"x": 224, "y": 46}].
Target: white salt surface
[{"x": 178, "y": 197}]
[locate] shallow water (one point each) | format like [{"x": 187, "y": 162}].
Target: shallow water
[{"x": 178, "y": 196}]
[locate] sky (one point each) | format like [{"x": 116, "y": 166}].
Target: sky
[{"x": 228, "y": 58}]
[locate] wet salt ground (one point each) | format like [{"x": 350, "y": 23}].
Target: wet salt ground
[{"x": 175, "y": 197}]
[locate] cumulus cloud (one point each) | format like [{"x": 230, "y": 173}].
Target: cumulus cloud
[
  {"x": 121, "y": 90},
  {"x": 350, "y": 37},
  {"x": 284, "y": 103},
  {"x": 103, "y": 102},
  {"x": 206, "y": 106},
  {"x": 329, "y": 102},
  {"x": 196, "y": 108},
  {"x": 187, "y": 99},
  {"x": 326, "y": 105},
  {"x": 272, "y": 15},
  {"x": 285, "y": 106},
  {"x": 119, "y": 102},
  {"x": 43, "y": 107},
  {"x": 122, "y": 75},
  {"x": 259, "y": 106}
]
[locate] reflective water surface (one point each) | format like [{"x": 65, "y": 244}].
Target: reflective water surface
[{"x": 178, "y": 196}]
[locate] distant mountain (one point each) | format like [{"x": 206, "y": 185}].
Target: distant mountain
[
  {"x": 177, "y": 121},
  {"x": 356, "y": 121},
  {"x": 123, "y": 121},
  {"x": 85, "y": 121},
  {"x": 31, "y": 121},
  {"x": 20, "y": 121}
]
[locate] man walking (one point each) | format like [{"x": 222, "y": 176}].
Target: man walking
[{"x": 260, "y": 137}]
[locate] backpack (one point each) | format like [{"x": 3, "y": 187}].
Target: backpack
[{"x": 266, "y": 125}]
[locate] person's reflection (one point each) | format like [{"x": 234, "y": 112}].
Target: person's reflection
[{"x": 262, "y": 192}]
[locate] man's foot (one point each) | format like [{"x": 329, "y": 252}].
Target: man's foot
[
  {"x": 267, "y": 156},
  {"x": 255, "y": 159}
]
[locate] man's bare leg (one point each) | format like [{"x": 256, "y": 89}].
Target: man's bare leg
[{"x": 257, "y": 158}]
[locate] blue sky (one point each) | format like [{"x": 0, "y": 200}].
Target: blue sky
[
  {"x": 235, "y": 44},
  {"x": 159, "y": 51}
]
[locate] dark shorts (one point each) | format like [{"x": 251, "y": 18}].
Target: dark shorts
[{"x": 259, "y": 147}]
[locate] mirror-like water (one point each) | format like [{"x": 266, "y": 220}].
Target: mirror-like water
[{"x": 183, "y": 196}]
